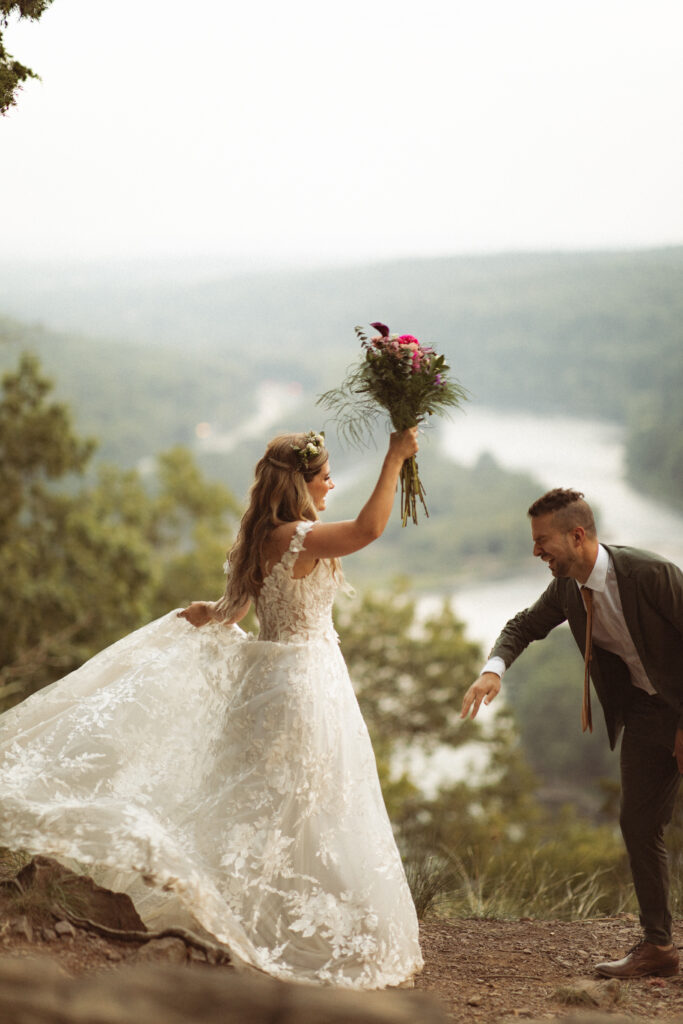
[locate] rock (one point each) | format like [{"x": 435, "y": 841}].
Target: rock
[
  {"x": 22, "y": 926},
  {"x": 163, "y": 951},
  {"x": 48, "y": 934},
  {"x": 113, "y": 955},
  {"x": 65, "y": 930},
  {"x": 587, "y": 992},
  {"x": 474, "y": 1000},
  {"x": 79, "y": 895},
  {"x": 35, "y": 990}
]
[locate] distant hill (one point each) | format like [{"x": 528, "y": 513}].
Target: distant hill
[
  {"x": 595, "y": 334},
  {"x": 539, "y": 331}
]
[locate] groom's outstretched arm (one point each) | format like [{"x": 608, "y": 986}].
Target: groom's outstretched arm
[{"x": 532, "y": 624}]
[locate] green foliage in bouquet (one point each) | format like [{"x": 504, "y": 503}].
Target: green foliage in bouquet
[{"x": 407, "y": 380}]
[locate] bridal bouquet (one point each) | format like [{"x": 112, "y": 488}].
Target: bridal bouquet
[{"x": 408, "y": 380}]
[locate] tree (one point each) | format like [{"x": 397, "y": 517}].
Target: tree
[
  {"x": 12, "y": 73},
  {"x": 410, "y": 675},
  {"x": 82, "y": 563},
  {"x": 543, "y": 689},
  {"x": 655, "y": 439},
  {"x": 188, "y": 531}
]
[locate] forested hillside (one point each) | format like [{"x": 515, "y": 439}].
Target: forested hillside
[{"x": 596, "y": 334}]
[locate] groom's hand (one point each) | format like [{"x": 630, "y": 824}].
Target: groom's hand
[
  {"x": 678, "y": 749},
  {"x": 483, "y": 689}
]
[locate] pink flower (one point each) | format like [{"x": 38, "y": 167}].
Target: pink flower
[{"x": 407, "y": 339}]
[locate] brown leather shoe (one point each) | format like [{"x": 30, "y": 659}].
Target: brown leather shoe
[{"x": 644, "y": 959}]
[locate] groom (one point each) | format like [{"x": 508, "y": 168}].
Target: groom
[{"x": 634, "y": 600}]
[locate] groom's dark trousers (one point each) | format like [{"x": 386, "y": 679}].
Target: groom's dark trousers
[
  {"x": 649, "y": 783},
  {"x": 651, "y": 592}
]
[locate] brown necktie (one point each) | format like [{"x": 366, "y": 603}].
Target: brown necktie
[{"x": 586, "y": 717}]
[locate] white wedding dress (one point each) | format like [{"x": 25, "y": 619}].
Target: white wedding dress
[{"x": 230, "y": 777}]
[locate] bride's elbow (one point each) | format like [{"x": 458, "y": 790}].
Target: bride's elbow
[{"x": 368, "y": 532}]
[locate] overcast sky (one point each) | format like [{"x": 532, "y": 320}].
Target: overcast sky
[{"x": 316, "y": 130}]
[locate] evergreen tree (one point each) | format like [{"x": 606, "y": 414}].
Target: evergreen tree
[
  {"x": 80, "y": 563},
  {"x": 12, "y": 72}
]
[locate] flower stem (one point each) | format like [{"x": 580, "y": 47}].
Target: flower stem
[{"x": 411, "y": 491}]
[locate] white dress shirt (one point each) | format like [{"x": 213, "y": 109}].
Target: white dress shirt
[{"x": 609, "y": 625}]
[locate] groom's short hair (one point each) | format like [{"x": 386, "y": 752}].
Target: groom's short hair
[{"x": 569, "y": 508}]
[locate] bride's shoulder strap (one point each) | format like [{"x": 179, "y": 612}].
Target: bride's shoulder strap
[{"x": 296, "y": 544}]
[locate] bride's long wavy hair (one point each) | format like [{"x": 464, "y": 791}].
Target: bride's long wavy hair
[{"x": 278, "y": 495}]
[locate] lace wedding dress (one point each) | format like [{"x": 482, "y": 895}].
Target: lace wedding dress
[{"x": 230, "y": 776}]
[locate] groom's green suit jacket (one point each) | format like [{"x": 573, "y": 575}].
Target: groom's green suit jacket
[{"x": 651, "y": 591}]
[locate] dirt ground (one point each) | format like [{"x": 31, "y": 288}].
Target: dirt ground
[
  {"x": 505, "y": 970},
  {"x": 480, "y": 970}
]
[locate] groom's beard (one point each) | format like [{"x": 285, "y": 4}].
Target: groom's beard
[{"x": 559, "y": 565}]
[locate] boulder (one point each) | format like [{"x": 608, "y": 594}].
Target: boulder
[{"x": 52, "y": 883}]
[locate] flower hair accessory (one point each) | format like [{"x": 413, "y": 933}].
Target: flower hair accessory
[{"x": 313, "y": 446}]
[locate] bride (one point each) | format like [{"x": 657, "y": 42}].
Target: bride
[{"x": 212, "y": 774}]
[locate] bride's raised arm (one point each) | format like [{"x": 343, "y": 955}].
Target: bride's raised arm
[{"x": 333, "y": 540}]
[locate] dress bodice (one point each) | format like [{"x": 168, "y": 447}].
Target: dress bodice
[{"x": 293, "y": 610}]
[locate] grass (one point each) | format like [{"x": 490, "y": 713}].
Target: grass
[
  {"x": 11, "y": 863},
  {"x": 442, "y": 884},
  {"x": 37, "y": 901},
  {"x": 572, "y": 995},
  {"x": 430, "y": 877}
]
